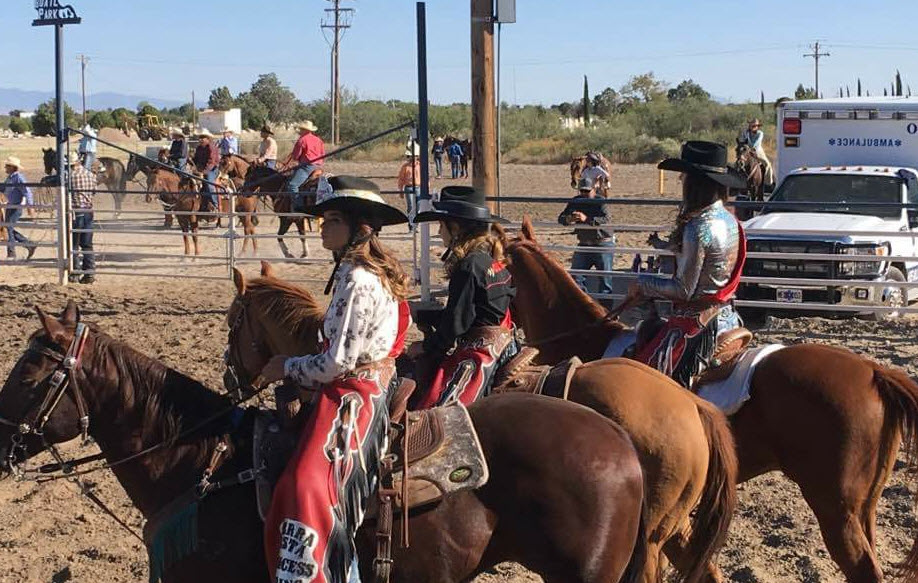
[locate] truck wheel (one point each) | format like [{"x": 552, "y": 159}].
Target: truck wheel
[
  {"x": 144, "y": 135},
  {"x": 893, "y": 296}
]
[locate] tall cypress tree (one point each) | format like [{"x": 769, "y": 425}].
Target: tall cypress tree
[
  {"x": 586, "y": 102},
  {"x": 898, "y": 83},
  {"x": 858, "y": 86}
]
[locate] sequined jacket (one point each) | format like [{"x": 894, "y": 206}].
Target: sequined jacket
[{"x": 705, "y": 262}]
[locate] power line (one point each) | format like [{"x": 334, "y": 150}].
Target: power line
[
  {"x": 340, "y": 20},
  {"x": 816, "y": 55}
]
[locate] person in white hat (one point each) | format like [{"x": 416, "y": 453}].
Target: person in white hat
[
  {"x": 206, "y": 160},
  {"x": 18, "y": 195},
  {"x": 87, "y": 149},
  {"x": 409, "y": 177},
  {"x": 309, "y": 154},
  {"x": 229, "y": 144},
  {"x": 178, "y": 149},
  {"x": 438, "y": 151}
]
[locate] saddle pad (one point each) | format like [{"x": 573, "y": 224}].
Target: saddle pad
[
  {"x": 271, "y": 448},
  {"x": 456, "y": 463},
  {"x": 730, "y": 393}
]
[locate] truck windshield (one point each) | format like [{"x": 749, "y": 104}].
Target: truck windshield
[{"x": 838, "y": 189}]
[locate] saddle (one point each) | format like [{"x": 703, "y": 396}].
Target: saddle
[
  {"x": 520, "y": 375},
  {"x": 730, "y": 346}
]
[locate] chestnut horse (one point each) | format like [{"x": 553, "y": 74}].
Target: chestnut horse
[
  {"x": 570, "y": 509},
  {"x": 110, "y": 172},
  {"x": 578, "y": 163},
  {"x": 830, "y": 420},
  {"x": 750, "y": 168},
  {"x": 233, "y": 169},
  {"x": 261, "y": 179},
  {"x": 683, "y": 442},
  {"x": 178, "y": 194}
]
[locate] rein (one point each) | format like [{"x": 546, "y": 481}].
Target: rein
[{"x": 609, "y": 317}]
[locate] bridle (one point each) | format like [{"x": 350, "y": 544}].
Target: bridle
[
  {"x": 232, "y": 356},
  {"x": 61, "y": 378}
]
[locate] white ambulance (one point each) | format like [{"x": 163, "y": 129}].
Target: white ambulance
[{"x": 843, "y": 166}]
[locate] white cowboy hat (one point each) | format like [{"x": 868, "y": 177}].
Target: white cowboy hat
[
  {"x": 205, "y": 133},
  {"x": 227, "y": 129},
  {"x": 417, "y": 150},
  {"x": 176, "y": 132},
  {"x": 13, "y": 161},
  {"x": 307, "y": 125}
]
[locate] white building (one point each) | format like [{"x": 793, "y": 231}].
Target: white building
[{"x": 215, "y": 120}]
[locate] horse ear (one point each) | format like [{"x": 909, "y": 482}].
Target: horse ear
[
  {"x": 500, "y": 233},
  {"x": 71, "y": 314},
  {"x": 527, "y": 230},
  {"x": 52, "y": 327},
  {"x": 266, "y": 269},
  {"x": 239, "y": 280}
]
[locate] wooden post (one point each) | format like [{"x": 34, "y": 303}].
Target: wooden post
[
  {"x": 484, "y": 123},
  {"x": 661, "y": 182}
]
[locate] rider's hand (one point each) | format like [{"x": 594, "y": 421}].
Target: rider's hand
[
  {"x": 415, "y": 350},
  {"x": 274, "y": 370},
  {"x": 578, "y": 217}
]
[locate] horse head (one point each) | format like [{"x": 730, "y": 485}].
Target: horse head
[
  {"x": 577, "y": 165},
  {"x": 49, "y": 157}
]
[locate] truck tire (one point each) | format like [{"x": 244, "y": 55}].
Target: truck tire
[
  {"x": 893, "y": 297},
  {"x": 143, "y": 134}
]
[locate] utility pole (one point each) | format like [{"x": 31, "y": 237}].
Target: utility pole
[
  {"x": 337, "y": 19},
  {"x": 816, "y": 54},
  {"x": 83, "y": 60},
  {"x": 484, "y": 122}
]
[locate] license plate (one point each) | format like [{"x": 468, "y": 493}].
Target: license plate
[{"x": 789, "y": 295}]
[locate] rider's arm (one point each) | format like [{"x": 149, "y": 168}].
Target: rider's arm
[
  {"x": 565, "y": 217},
  {"x": 459, "y": 315},
  {"x": 689, "y": 261},
  {"x": 755, "y": 139}
]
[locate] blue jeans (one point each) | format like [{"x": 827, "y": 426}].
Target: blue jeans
[
  {"x": 438, "y": 162},
  {"x": 298, "y": 179},
  {"x": 179, "y": 163},
  {"x": 88, "y": 159},
  {"x": 411, "y": 196},
  {"x": 454, "y": 165},
  {"x": 210, "y": 191},
  {"x": 590, "y": 259},
  {"x": 272, "y": 164},
  {"x": 83, "y": 257},
  {"x": 12, "y": 235}
]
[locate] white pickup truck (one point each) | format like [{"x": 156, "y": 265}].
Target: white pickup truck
[{"x": 837, "y": 158}]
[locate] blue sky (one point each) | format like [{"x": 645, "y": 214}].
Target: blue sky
[{"x": 167, "y": 48}]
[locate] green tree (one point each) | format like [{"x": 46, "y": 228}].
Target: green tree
[
  {"x": 221, "y": 99},
  {"x": 898, "y": 84},
  {"x": 19, "y": 125},
  {"x": 144, "y": 108},
  {"x": 606, "y": 103},
  {"x": 802, "y": 92},
  {"x": 44, "y": 120},
  {"x": 643, "y": 89},
  {"x": 586, "y": 102},
  {"x": 686, "y": 90},
  {"x": 102, "y": 119},
  {"x": 279, "y": 100}
]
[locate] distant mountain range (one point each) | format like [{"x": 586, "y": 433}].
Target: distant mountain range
[{"x": 29, "y": 100}]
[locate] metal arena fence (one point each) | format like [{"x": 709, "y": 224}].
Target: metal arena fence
[{"x": 134, "y": 242}]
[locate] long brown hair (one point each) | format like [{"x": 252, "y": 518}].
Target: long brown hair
[
  {"x": 367, "y": 251},
  {"x": 472, "y": 236},
  {"x": 698, "y": 193}
]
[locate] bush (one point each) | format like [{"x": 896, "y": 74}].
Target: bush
[{"x": 19, "y": 125}]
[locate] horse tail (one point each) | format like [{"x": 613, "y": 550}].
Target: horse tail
[
  {"x": 718, "y": 499},
  {"x": 634, "y": 570},
  {"x": 900, "y": 399}
]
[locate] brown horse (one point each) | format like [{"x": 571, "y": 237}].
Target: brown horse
[
  {"x": 571, "y": 513},
  {"x": 261, "y": 179},
  {"x": 830, "y": 420},
  {"x": 683, "y": 442},
  {"x": 578, "y": 163},
  {"x": 110, "y": 173},
  {"x": 232, "y": 170},
  {"x": 178, "y": 194},
  {"x": 749, "y": 167}
]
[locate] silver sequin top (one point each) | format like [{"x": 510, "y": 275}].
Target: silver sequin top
[{"x": 710, "y": 244}]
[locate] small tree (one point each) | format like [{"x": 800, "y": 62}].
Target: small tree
[
  {"x": 19, "y": 125},
  {"x": 687, "y": 90},
  {"x": 804, "y": 92},
  {"x": 102, "y": 119},
  {"x": 898, "y": 84},
  {"x": 586, "y": 101},
  {"x": 858, "y": 86},
  {"x": 221, "y": 99}
]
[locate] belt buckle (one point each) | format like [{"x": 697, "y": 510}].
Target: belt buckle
[{"x": 246, "y": 476}]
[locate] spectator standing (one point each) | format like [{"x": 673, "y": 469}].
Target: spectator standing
[
  {"x": 455, "y": 157},
  {"x": 178, "y": 150},
  {"x": 17, "y": 196},
  {"x": 88, "y": 146},
  {"x": 229, "y": 144},
  {"x": 83, "y": 187},
  {"x": 207, "y": 160},
  {"x": 267, "y": 149},
  {"x": 438, "y": 152},
  {"x": 309, "y": 154},
  {"x": 409, "y": 179},
  {"x": 581, "y": 212}
]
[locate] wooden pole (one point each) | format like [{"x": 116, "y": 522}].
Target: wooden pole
[{"x": 484, "y": 123}]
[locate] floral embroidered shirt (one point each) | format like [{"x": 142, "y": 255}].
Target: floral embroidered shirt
[{"x": 361, "y": 325}]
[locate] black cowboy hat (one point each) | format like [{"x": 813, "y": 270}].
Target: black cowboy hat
[
  {"x": 460, "y": 202},
  {"x": 706, "y": 159},
  {"x": 265, "y": 128},
  {"x": 357, "y": 196}
]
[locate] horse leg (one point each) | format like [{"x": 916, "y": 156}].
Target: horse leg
[
  {"x": 676, "y": 549},
  {"x": 285, "y": 223},
  {"x": 301, "y": 227},
  {"x": 846, "y": 540}
]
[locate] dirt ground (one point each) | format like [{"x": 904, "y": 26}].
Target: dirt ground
[{"x": 49, "y": 533}]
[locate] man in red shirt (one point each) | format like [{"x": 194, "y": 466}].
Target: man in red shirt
[{"x": 309, "y": 150}]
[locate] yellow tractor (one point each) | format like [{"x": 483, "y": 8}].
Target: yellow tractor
[{"x": 151, "y": 127}]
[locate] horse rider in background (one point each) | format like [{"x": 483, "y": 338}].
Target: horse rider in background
[
  {"x": 178, "y": 149},
  {"x": 438, "y": 151},
  {"x": 88, "y": 146},
  {"x": 710, "y": 251},
  {"x": 598, "y": 175},
  {"x": 267, "y": 149},
  {"x": 207, "y": 161},
  {"x": 466, "y": 342},
  {"x": 229, "y": 144},
  {"x": 582, "y": 211},
  {"x": 309, "y": 154},
  {"x": 755, "y": 138},
  {"x": 322, "y": 496}
]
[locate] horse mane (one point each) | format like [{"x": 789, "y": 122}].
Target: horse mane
[
  {"x": 291, "y": 306},
  {"x": 160, "y": 395}
]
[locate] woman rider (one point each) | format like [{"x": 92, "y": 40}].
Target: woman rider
[
  {"x": 710, "y": 251},
  {"x": 476, "y": 319},
  {"x": 320, "y": 499}
]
